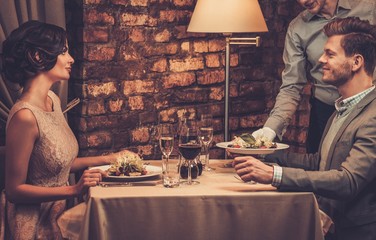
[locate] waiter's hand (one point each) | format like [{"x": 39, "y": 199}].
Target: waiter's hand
[
  {"x": 264, "y": 132},
  {"x": 251, "y": 169}
]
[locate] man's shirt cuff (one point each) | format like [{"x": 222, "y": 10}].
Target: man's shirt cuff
[{"x": 277, "y": 176}]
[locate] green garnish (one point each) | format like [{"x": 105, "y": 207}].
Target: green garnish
[{"x": 248, "y": 138}]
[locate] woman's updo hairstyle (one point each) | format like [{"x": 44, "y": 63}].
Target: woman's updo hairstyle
[{"x": 30, "y": 49}]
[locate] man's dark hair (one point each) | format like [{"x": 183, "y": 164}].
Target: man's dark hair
[
  {"x": 359, "y": 38},
  {"x": 30, "y": 49}
]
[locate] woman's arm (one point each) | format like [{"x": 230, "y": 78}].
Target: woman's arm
[
  {"x": 85, "y": 162},
  {"x": 22, "y": 132}
]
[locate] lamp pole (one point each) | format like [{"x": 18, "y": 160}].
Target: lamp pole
[{"x": 233, "y": 41}]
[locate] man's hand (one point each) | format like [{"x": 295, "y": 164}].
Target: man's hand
[
  {"x": 264, "y": 132},
  {"x": 251, "y": 169}
]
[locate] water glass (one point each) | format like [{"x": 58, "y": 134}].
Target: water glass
[{"x": 170, "y": 172}]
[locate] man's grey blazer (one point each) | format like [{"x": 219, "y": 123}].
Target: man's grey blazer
[{"x": 346, "y": 187}]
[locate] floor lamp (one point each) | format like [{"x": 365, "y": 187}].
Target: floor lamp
[{"x": 227, "y": 17}]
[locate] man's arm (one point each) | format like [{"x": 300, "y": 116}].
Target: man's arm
[
  {"x": 353, "y": 164},
  {"x": 293, "y": 81}
]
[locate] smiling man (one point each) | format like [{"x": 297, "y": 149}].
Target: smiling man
[
  {"x": 303, "y": 46},
  {"x": 343, "y": 173}
]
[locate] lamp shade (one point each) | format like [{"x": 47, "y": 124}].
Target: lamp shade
[{"x": 227, "y": 16}]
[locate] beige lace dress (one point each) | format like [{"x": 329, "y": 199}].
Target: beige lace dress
[{"x": 49, "y": 166}]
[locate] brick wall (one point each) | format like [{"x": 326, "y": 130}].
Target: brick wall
[{"x": 135, "y": 66}]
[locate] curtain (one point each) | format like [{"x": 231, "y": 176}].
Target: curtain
[{"x": 12, "y": 14}]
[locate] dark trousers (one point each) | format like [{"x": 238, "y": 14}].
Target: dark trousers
[
  {"x": 362, "y": 232},
  {"x": 319, "y": 115}
]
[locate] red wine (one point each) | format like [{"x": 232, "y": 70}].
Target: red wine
[{"x": 190, "y": 151}]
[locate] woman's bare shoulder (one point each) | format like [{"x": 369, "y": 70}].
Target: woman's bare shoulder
[{"x": 24, "y": 117}]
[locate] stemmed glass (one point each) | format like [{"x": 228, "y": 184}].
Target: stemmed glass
[
  {"x": 206, "y": 137},
  {"x": 189, "y": 148},
  {"x": 166, "y": 139}
]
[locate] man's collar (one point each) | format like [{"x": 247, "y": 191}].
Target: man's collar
[{"x": 344, "y": 4}]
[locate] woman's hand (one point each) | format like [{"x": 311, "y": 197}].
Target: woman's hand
[
  {"x": 89, "y": 178},
  {"x": 249, "y": 168}
]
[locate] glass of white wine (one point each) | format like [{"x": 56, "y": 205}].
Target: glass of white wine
[
  {"x": 166, "y": 139},
  {"x": 206, "y": 137}
]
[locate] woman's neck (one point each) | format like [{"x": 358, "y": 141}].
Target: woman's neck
[{"x": 35, "y": 92}]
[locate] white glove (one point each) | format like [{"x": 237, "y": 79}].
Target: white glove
[{"x": 264, "y": 132}]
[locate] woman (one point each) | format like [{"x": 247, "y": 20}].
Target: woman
[{"x": 41, "y": 149}]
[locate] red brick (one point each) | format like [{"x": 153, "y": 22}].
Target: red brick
[
  {"x": 95, "y": 107},
  {"x": 146, "y": 151},
  {"x": 136, "y": 103},
  {"x": 174, "y": 15},
  {"x": 179, "y": 80},
  {"x": 95, "y": 35},
  {"x": 212, "y": 60},
  {"x": 183, "y": 3},
  {"x": 98, "y": 122},
  {"x": 217, "y": 93},
  {"x": 160, "y": 65},
  {"x": 99, "y": 53},
  {"x": 129, "y": 19},
  {"x": 139, "y": 3},
  {"x": 161, "y": 49},
  {"x": 191, "y": 95},
  {"x": 211, "y": 77},
  {"x": 137, "y": 35},
  {"x": 233, "y": 123},
  {"x": 163, "y": 36},
  {"x": 137, "y": 86},
  {"x": 101, "y": 89},
  {"x": 92, "y": 1},
  {"x": 201, "y": 46},
  {"x": 233, "y": 91},
  {"x": 115, "y": 105},
  {"x": 253, "y": 121},
  {"x": 140, "y": 135},
  {"x": 131, "y": 53},
  {"x": 186, "y": 64},
  {"x": 99, "y": 139},
  {"x": 92, "y": 16},
  {"x": 120, "y": 2},
  {"x": 185, "y": 46},
  {"x": 217, "y": 45}
]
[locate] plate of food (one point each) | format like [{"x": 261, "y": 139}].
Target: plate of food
[
  {"x": 129, "y": 168},
  {"x": 247, "y": 144}
]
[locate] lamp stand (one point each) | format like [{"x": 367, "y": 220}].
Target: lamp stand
[{"x": 233, "y": 41}]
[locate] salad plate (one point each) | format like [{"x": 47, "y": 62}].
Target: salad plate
[
  {"x": 152, "y": 172},
  {"x": 251, "y": 151}
]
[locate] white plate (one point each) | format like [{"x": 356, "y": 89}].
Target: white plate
[
  {"x": 251, "y": 151},
  {"x": 152, "y": 171}
]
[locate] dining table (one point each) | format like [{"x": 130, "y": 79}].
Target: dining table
[{"x": 220, "y": 207}]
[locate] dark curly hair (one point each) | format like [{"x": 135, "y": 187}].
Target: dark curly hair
[
  {"x": 30, "y": 49},
  {"x": 359, "y": 38}
]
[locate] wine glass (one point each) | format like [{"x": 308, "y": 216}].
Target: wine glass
[
  {"x": 206, "y": 137},
  {"x": 166, "y": 139},
  {"x": 189, "y": 148}
]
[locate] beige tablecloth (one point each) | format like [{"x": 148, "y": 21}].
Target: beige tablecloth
[{"x": 220, "y": 207}]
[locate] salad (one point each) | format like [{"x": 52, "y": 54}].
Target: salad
[
  {"x": 127, "y": 165},
  {"x": 246, "y": 140}
]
